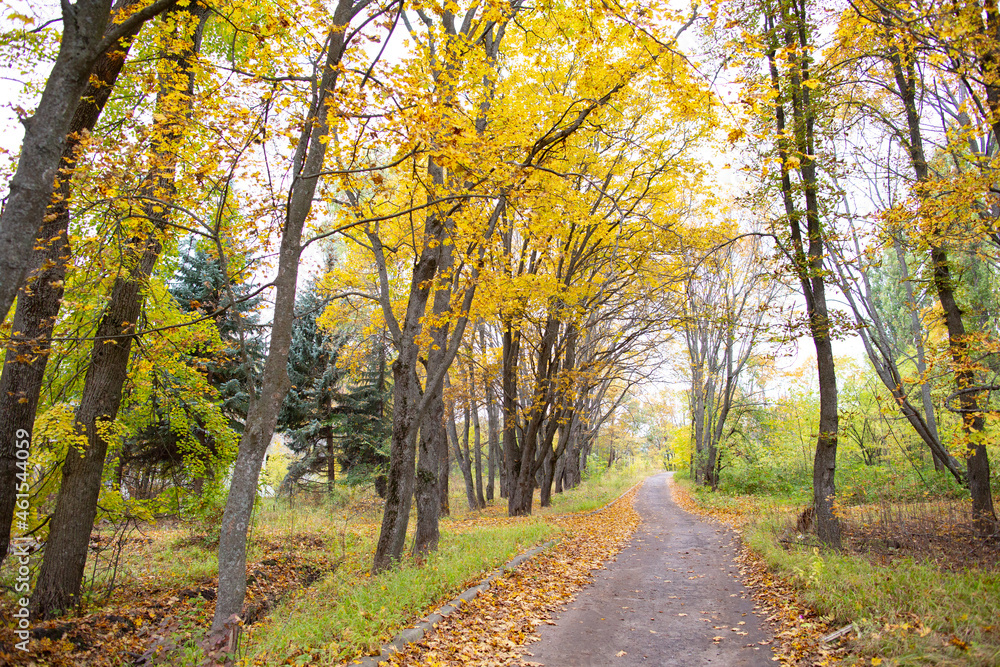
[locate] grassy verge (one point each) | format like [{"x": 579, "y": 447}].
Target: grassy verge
[
  {"x": 599, "y": 491},
  {"x": 909, "y": 611},
  {"x": 350, "y": 612},
  {"x": 310, "y": 596}
]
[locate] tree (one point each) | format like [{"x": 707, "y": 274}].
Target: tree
[
  {"x": 40, "y": 297},
  {"x": 86, "y": 36},
  {"x": 266, "y": 401},
  {"x": 791, "y": 122},
  {"x": 726, "y": 300},
  {"x": 61, "y": 573},
  {"x": 200, "y": 285},
  {"x": 899, "y": 42}
]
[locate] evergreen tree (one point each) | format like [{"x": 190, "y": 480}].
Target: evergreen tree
[
  {"x": 200, "y": 286},
  {"x": 306, "y": 415},
  {"x": 362, "y": 425},
  {"x": 326, "y": 426},
  {"x": 180, "y": 442}
]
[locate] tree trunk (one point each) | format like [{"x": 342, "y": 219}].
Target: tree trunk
[
  {"x": 477, "y": 440},
  {"x": 548, "y": 474},
  {"x": 494, "y": 455},
  {"x": 427, "y": 491},
  {"x": 262, "y": 414},
  {"x": 463, "y": 458},
  {"x": 511, "y": 450},
  {"x": 444, "y": 475},
  {"x": 40, "y": 298},
  {"x": 977, "y": 460},
  {"x": 85, "y": 31},
  {"x": 61, "y": 574},
  {"x": 432, "y": 463},
  {"x": 560, "y": 470},
  {"x": 467, "y": 462},
  {"x": 808, "y": 263}
]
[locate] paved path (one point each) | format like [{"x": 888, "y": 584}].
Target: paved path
[{"x": 664, "y": 601}]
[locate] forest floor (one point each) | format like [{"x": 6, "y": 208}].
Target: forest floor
[
  {"x": 312, "y": 601},
  {"x": 501, "y": 626},
  {"x": 150, "y": 590}
]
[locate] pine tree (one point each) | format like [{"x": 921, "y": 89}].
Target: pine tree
[
  {"x": 363, "y": 429},
  {"x": 166, "y": 451},
  {"x": 199, "y": 285},
  {"x": 329, "y": 427},
  {"x": 307, "y": 413}
]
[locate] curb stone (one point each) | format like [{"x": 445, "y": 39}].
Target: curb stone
[{"x": 417, "y": 632}]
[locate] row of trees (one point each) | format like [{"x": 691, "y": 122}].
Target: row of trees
[
  {"x": 870, "y": 159},
  {"x": 513, "y": 220},
  {"x": 504, "y": 203}
]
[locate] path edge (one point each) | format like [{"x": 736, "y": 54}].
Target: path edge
[{"x": 418, "y": 630}]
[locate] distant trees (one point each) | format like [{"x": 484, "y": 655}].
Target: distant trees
[{"x": 727, "y": 300}]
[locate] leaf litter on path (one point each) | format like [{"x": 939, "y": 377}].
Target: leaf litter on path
[
  {"x": 495, "y": 627},
  {"x": 798, "y": 629}
]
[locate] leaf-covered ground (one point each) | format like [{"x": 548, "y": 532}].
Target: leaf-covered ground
[
  {"x": 798, "y": 628},
  {"x": 164, "y": 586},
  {"x": 149, "y": 616},
  {"x": 494, "y": 628}
]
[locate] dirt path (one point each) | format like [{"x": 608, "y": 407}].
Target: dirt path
[{"x": 673, "y": 597}]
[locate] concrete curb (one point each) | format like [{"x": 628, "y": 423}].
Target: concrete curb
[{"x": 417, "y": 632}]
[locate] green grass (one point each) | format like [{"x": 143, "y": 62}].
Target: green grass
[
  {"x": 909, "y": 613},
  {"x": 598, "y": 491},
  {"x": 347, "y": 612},
  {"x": 351, "y": 612}
]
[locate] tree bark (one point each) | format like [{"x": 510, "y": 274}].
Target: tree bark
[
  {"x": 800, "y": 140},
  {"x": 560, "y": 470},
  {"x": 61, "y": 574},
  {"x": 494, "y": 455},
  {"x": 40, "y": 298},
  {"x": 434, "y": 440},
  {"x": 262, "y": 414},
  {"x": 511, "y": 449},
  {"x": 548, "y": 475},
  {"x": 427, "y": 491},
  {"x": 478, "y": 443},
  {"x": 977, "y": 460}
]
